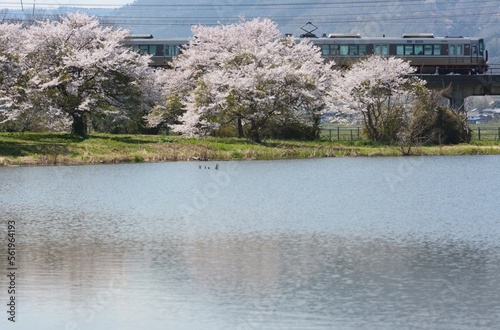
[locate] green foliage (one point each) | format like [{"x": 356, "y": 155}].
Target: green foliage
[
  {"x": 167, "y": 140},
  {"x": 229, "y": 130},
  {"x": 435, "y": 123},
  {"x": 161, "y": 117},
  {"x": 59, "y": 148},
  {"x": 430, "y": 122},
  {"x": 412, "y": 121},
  {"x": 272, "y": 129},
  {"x": 384, "y": 124},
  {"x": 452, "y": 127},
  {"x": 295, "y": 131}
]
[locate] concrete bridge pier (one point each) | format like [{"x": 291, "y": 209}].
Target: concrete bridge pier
[
  {"x": 459, "y": 87},
  {"x": 457, "y": 94}
]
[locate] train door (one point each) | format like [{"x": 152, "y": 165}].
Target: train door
[
  {"x": 452, "y": 53},
  {"x": 460, "y": 54},
  {"x": 381, "y": 49},
  {"x": 467, "y": 54},
  {"x": 474, "y": 53},
  {"x": 456, "y": 54}
]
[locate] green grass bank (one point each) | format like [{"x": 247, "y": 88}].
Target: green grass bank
[{"x": 65, "y": 149}]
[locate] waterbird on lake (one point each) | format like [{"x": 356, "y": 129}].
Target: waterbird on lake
[{"x": 208, "y": 167}]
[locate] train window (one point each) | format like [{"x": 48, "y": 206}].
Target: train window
[
  {"x": 428, "y": 50},
  {"x": 409, "y": 50},
  {"x": 474, "y": 50},
  {"x": 171, "y": 50},
  {"x": 362, "y": 50},
  {"x": 353, "y": 49},
  {"x": 460, "y": 50},
  {"x": 146, "y": 49},
  {"x": 381, "y": 50},
  {"x": 344, "y": 50},
  {"x": 452, "y": 50},
  {"x": 481, "y": 47},
  {"x": 385, "y": 50},
  {"x": 400, "y": 50},
  {"x": 419, "y": 50},
  {"x": 330, "y": 50},
  {"x": 437, "y": 49},
  {"x": 325, "y": 50}
]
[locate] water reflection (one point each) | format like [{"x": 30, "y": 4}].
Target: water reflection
[
  {"x": 294, "y": 246},
  {"x": 258, "y": 281}
]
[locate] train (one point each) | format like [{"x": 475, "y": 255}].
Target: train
[{"x": 425, "y": 52}]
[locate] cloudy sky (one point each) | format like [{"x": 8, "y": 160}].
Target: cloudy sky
[{"x": 56, "y": 3}]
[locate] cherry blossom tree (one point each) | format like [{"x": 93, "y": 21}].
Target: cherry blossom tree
[
  {"x": 379, "y": 90},
  {"x": 75, "y": 68},
  {"x": 11, "y": 58},
  {"x": 21, "y": 108},
  {"x": 248, "y": 76}
]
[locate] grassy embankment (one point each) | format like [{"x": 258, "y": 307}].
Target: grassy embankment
[{"x": 60, "y": 148}]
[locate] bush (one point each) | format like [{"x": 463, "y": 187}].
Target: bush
[
  {"x": 430, "y": 122},
  {"x": 451, "y": 127},
  {"x": 385, "y": 125},
  {"x": 296, "y": 131}
]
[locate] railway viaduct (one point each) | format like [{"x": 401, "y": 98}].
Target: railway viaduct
[{"x": 459, "y": 87}]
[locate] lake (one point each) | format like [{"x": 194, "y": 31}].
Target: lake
[{"x": 338, "y": 243}]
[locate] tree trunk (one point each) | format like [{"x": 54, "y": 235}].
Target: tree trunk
[
  {"x": 79, "y": 126},
  {"x": 240, "y": 128},
  {"x": 316, "y": 127},
  {"x": 254, "y": 133},
  {"x": 370, "y": 125}
]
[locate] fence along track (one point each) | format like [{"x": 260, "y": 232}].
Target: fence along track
[{"x": 356, "y": 133}]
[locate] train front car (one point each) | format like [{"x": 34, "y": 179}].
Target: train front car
[
  {"x": 428, "y": 54},
  {"x": 442, "y": 55}
]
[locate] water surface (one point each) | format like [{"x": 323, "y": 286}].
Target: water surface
[{"x": 351, "y": 243}]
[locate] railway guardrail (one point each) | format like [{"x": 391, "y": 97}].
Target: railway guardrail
[{"x": 493, "y": 69}]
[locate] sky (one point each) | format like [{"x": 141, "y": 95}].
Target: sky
[{"x": 16, "y": 4}]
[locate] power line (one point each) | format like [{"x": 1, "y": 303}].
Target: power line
[
  {"x": 339, "y": 19},
  {"x": 360, "y": 4},
  {"x": 403, "y": 16},
  {"x": 309, "y": 16},
  {"x": 303, "y": 5},
  {"x": 357, "y": 14}
]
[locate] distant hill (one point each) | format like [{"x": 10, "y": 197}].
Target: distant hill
[
  {"x": 173, "y": 18},
  {"x": 41, "y": 13}
]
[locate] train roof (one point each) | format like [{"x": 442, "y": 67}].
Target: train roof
[
  {"x": 143, "y": 41},
  {"x": 407, "y": 38}
]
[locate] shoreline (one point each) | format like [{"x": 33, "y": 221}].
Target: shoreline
[{"x": 32, "y": 149}]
